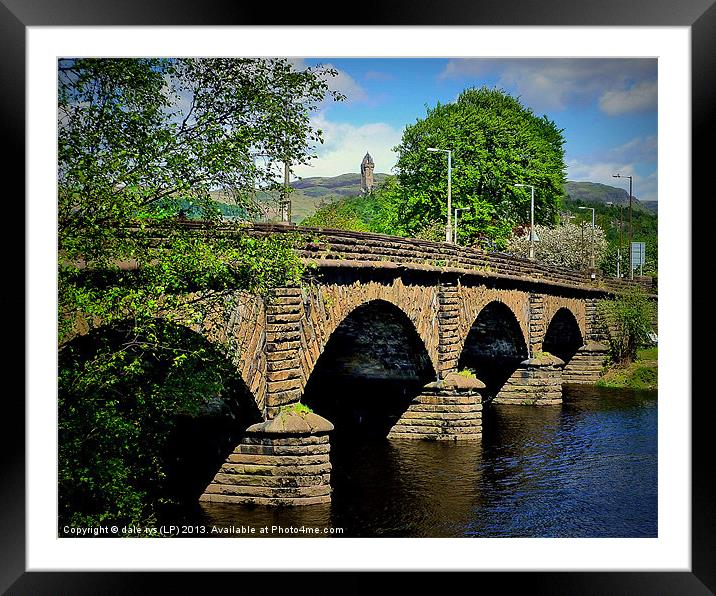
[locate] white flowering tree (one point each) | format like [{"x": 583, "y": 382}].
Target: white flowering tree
[{"x": 566, "y": 245}]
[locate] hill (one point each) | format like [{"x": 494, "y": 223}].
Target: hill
[
  {"x": 593, "y": 192},
  {"x": 308, "y": 193},
  {"x": 345, "y": 185}
]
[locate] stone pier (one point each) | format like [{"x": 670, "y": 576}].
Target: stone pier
[
  {"x": 446, "y": 410},
  {"x": 282, "y": 461},
  {"x": 537, "y": 381},
  {"x": 586, "y": 365}
]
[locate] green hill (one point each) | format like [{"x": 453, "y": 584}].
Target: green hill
[
  {"x": 593, "y": 192},
  {"x": 308, "y": 193},
  {"x": 345, "y": 185}
]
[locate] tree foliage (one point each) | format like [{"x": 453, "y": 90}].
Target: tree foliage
[
  {"x": 121, "y": 392},
  {"x": 372, "y": 212},
  {"x": 628, "y": 318},
  {"x": 566, "y": 245},
  {"x": 337, "y": 214},
  {"x": 496, "y": 142},
  {"x": 134, "y": 131},
  {"x": 137, "y": 138}
]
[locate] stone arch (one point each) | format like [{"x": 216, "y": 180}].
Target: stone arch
[
  {"x": 494, "y": 345},
  {"x": 328, "y": 305},
  {"x": 563, "y": 336},
  {"x": 235, "y": 320},
  {"x": 373, "y": 364},
  {"x": 576, "y": 306},
  {"x": 474, "y": 304},
  {"x": 206, "y": 422}
]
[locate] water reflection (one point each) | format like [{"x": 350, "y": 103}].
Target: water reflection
[{"x": 586, "y": 468}]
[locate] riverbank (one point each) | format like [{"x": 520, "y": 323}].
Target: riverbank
[{"x": 642, "y": 374}]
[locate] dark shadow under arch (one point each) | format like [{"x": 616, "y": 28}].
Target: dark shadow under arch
[
  {"x": 122, "y": 419},
  {"x": 494, "y": 346},
  {"x": 372, "y": 366},
  {"x": 563, "y": 337}
]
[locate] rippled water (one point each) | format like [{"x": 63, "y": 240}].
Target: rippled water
[{"x": 587, "y": 468}]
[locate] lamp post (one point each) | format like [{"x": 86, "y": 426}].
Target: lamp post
[
  {"x": 448, "y": 227},
  {"x": 457, "y": 210},
  {"x": 619, "y": 246},
  {"x": 631, "y": 270},
  {"x": 591, "y": 249},
  {"x": 532, "y": 218}
]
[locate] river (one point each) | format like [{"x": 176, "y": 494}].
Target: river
[{"x": 587, "y": 468}]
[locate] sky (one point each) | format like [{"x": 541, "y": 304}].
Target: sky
[{"x": 606, "y": 107}]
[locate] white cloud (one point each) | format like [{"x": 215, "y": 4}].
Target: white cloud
[
  {"x": 346, "y": 144},
  {"x": 620, "y": 85},
  {"x": 465, "y": 67},
  {"x": 342, "y": 82},
  {"x": 636, "y": 98},
  {"x": 639, "y": 149},
  {"x": 348, "y": 86}
]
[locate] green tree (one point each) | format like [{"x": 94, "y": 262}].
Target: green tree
[
  {"x": 372, "y": 212},
  {"x": 628, "y": 319},
  {"x": 132, "y": 132},
  {"x": 338, "y": 214},
  {"x": 134, "y": 136},
  {"x": 496, "y": 142}
]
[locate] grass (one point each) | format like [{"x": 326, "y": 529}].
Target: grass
[
  {"x": 299, "y": 408},
  {"x": 642, "y": 374},
  {"x": 468, "y": 372}
]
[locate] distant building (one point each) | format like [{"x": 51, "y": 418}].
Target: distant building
[{"x": 366, "y": 173}]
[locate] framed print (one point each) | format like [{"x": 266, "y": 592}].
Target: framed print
[{"x": 652, "y": 527}]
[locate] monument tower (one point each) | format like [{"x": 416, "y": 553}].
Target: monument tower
[{"x": 366, "y": 173}]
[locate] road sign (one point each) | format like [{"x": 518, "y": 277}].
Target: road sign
[{"x": 638, "y": 255}]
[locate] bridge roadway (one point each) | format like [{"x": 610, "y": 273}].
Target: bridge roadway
[{"x": 375, "y": 306}]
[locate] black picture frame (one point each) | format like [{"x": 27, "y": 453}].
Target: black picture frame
[{"x": 17, "y": 15}]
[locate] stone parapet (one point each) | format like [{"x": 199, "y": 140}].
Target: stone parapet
[
  {"x": 284, "y": 461},
  {"x": 586, "y": 365},
  {"x": 446, "y": 410},
  {"x": 537, "y": 381}
]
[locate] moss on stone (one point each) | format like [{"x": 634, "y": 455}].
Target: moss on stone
[
  {"x": 467, "y": 372},
  {"x": 297, "y": 407}
]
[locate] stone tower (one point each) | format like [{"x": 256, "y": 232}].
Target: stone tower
[{"x": 366, "y": 173}]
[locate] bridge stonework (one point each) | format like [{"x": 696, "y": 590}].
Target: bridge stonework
[
  {"x": 439, "y": 290},
  {"x": 326, "y": 305},
  {"x": 474, "y": 297},
  {"x": 586, "y": 365}
]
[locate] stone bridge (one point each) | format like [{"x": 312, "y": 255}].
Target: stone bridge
[{"x": 450, "y": 328}]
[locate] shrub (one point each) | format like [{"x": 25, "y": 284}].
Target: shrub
[{"x": 628, "y": 319}]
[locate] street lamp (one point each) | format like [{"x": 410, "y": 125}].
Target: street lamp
[
  {"x": 448, "y": 229},
  {"x": 631, "y": 270},
  {"x": 619, "y": 247},
  {"x": 457, "y": 210},
  {"x": 591, "y": 250},
  {"x": 532, "y": 218},
  {"x": 263, "y": 208}
]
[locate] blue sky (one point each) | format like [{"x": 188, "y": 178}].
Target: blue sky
[{"x": 607, "y": 108}]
